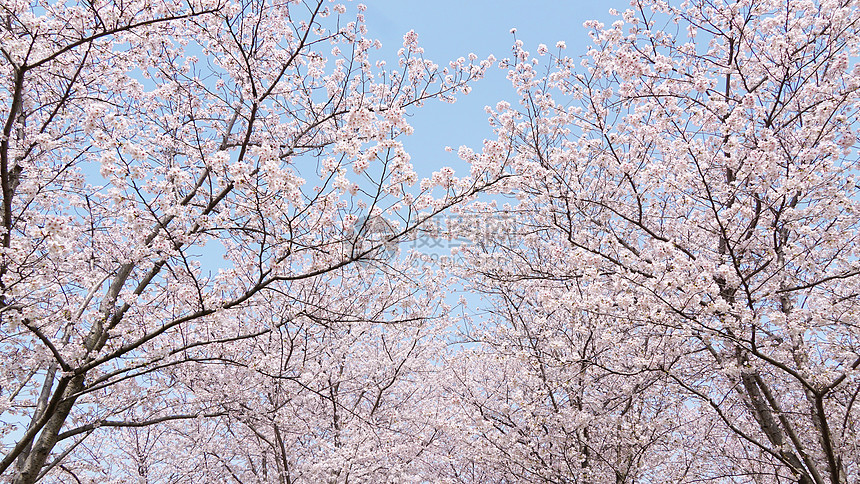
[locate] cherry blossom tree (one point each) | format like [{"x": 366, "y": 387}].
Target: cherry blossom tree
[
  {"x": 200, "y": 278},
  {"x": 679, "y": 302},
  {"x": 190, "y": 287},
  {"x": 557, "y": 395},
  {"x": 339, "y": 393}
]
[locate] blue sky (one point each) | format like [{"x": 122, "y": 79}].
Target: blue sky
[{"x": 448, "y": 29}]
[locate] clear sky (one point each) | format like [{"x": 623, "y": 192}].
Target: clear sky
[{"x": 448, "y": 29}]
